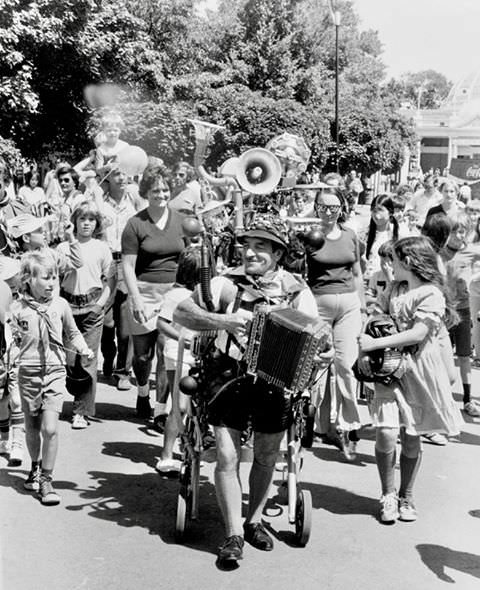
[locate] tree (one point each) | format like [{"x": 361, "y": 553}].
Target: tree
[{"x": 425, "y": 90}]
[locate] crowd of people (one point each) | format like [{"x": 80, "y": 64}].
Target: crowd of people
[{"x": 94, "y": 260}]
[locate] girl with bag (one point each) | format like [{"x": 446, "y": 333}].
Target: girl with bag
[{"x": 419, "y": 401}]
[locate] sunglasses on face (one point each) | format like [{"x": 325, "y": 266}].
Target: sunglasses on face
[
  {"x": 64, "y": 180},
  {"x": 332, "y": 209}
]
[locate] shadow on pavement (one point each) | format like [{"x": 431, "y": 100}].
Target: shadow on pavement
[
  {"x": 332, "y": 499},
  {"x": 333, "y": 454},
  {"x": 104, "y": 411},
  {"x": 146, "y": 500},
  {"x": 437, "y": 558}
]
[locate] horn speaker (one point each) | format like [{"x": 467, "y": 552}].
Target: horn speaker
[{"x": 259, "y": 171}]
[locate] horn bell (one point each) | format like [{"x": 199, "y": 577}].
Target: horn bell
[{"x": 259, "y": 171}]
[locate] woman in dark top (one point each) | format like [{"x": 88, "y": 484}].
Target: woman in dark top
[
  {"x": 450, "y": 204},
  {"x": 335, "y": 277},
  {"x": 151, "y": 244}
]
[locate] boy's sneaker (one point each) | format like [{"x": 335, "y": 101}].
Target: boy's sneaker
[
  {"x": 48, "y": 496},
  {"x": 32, "y": 483},
  {"x": 79, "y": 422},
  {"x": 407, "y": 510},
  {"x": 16, "y": 454},
  {"x": 472, "y": 409},
  {"x": 349, "y": 447},
  {"x": 167, "y": 466},
  {"x": 4, "y": 447},
  {"x": 389, "y": 507}
]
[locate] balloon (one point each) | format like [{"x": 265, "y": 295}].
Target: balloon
[
  {"x": 315, "y": 238},
  {"x": 101, "y": 95},
  {"x": 132, "y": 160},
  {"x": 191, "y": 227}
]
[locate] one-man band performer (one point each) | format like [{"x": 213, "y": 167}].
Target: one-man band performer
[{"x": 266, "y": 408}]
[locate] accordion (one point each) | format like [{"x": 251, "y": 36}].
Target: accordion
[{"x": 282, "y": 346}]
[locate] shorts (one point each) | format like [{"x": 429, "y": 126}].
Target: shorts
[
  {"x": 41, "y": 388},
  {"x": 247, "y": 402},
  {"x": 461, "y": 334}
]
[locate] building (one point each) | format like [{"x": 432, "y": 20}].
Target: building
[{"x": 449, "y": 137}]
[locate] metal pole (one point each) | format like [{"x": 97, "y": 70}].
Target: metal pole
[{"x": 337, "y": 126}]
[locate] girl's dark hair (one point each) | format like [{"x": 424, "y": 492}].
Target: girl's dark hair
[
  {"x": 188, "y": 269},
  {"x": 383, "y": 200},
  {"x": 153, "y": 173},
  {"x": 437, "y": 228},
  {"x": 84, "y": 209},
  {"x": 31, "y": 174},
  {"x": 423, "y": 263},
  {"x": 332, "y": 190}
]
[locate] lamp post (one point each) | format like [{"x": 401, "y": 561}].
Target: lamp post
[{"x": 336, "y": 18}]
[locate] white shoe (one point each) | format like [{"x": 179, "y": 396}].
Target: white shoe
[
  {"x": 167, "y": 466},
  {"x": 389, "y": 507},
  {"x": 79, "y": 422},
  {"x": 4, "y": 447},
  {"x": 16, "y": 454}
]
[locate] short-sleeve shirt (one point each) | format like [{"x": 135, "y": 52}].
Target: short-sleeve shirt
[
  {"x": 330, "y": 269},
  {"x": 157, "y": 250}
]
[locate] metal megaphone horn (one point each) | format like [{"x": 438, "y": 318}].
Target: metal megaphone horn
[{"x": 258, "y": 171}]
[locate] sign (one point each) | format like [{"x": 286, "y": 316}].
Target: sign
[{"x": 467, "y": 170}]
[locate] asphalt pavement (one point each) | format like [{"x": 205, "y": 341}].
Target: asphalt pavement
[{"x": 114, "y": 529}]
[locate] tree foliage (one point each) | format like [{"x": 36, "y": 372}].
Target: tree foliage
[
  {"x": 426, "y": 89},
  {"x": 258, "y": 67}
]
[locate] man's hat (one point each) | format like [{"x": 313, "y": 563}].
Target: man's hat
[
  {"x": 24, "y": 224},
  {"x": 267, "y": 227}
]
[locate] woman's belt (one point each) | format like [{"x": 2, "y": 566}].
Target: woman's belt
[{"x": 79, "y": 300}]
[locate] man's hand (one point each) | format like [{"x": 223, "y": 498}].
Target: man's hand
[
  {"x": 366, "y": 343},
  {"x": 138, "y": 311},
  {"x": 236, "y": 323}
]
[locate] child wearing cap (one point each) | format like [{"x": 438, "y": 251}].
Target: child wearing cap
[
  {"x": 29, "y": 233},
  {"x": 44, "y": 326}
]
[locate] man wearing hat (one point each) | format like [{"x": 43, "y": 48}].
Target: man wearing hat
[{"x": 233, "y": 297}]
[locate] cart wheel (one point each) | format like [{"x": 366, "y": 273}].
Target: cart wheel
[
  {"x": 309, "y": 425},
  {"x": 303, "y": 517},
  {"x": 183, "y": 502}
]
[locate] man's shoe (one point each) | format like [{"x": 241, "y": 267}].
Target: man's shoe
[
  {"x": 16, "y": 454},
  {"x": 144, "y": 409},
  {"x": 123, "y": 383},
  {"x": 167, "y": 466},
  {"x": 435, "y": 438},
  {"x": 4, "y": 447},
  {"x": 257, "y": 536},
  {"x": 232, "y": 549}
]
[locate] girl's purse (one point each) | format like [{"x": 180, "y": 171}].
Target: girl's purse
[{"x": 386, "y": 364}]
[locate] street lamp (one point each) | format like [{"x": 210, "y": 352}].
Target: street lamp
[{"x": 336, "y": 18}]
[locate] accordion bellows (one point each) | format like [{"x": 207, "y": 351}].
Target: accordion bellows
[{"x": 283, "y": 344}]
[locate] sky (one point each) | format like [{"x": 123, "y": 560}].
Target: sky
[
  {"x": 442, "y": 35},
  {"x": 417, "y": 35}
]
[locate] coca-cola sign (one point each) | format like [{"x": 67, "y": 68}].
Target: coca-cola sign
[
  {"x": 465, "y": 169},
  {"x": 473, "y": 172}
]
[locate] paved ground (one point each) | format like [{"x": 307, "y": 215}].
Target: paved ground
[{"x": 114, "y": 527}]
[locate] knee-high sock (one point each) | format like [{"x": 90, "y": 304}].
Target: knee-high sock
[
  {"x": 408, "y": 472},
  {"x": 259, "y": 481},
  {"x": 229, "y": 498},
  {"x": 386, "y": 470},
  {"x": 4, "y": 429}
]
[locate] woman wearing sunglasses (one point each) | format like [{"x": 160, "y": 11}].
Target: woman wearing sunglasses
[{"x": 335, "y": 277}]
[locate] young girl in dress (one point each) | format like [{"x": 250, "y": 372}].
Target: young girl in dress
[
  {"x": 420, "y": 401},
  {"x": 383, "y": 227}
]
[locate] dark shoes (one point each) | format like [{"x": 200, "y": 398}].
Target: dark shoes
[
  {"x": 257, "y": 536},
  {"x": 232, "y": 549},
  {"x": 144, "y": 409}
]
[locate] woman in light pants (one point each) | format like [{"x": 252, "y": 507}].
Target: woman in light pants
[{"x": 335, "y": 277}]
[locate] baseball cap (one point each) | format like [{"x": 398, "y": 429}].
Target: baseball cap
[
  {"x": 24, "y": 224},
  {"x": 9, "y": 267},
  {"x": 267, "y": 227}
]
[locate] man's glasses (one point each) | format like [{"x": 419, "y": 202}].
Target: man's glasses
[
  {"x": 332, "y": 209},
  {"x": 64, "y": 180}
]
